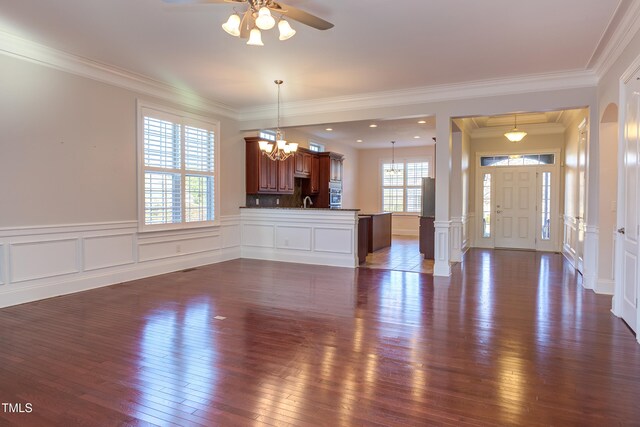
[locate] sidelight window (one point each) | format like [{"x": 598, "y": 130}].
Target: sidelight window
[
  {"x": 486, "y": 205},
  {"x": 545, "y": 210}
]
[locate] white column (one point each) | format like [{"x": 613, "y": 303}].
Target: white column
[
  {"x": 442, "y": 222},
  {"x": 590, "y": 265},
  {"x": 455, "y": 194}
]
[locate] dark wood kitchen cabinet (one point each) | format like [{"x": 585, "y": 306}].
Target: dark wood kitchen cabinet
[
  {"x": 330, "y": 179},
  {"x": 266, "y": 176},
  {"x": 303, "y": 163}
]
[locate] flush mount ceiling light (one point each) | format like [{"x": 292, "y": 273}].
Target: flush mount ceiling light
[
  {"x": 260, "y": 16},
  {"x": 422, "y": 122},
  {"x": 373, "y": 125},
  {"x": 282, "y": 149},
  {"x": 515, "y": 135}
]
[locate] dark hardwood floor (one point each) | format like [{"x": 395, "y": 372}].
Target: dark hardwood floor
[{"x": 510, "y": 339}]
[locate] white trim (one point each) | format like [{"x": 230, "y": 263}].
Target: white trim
[
  {"x": 533, "y": 129},
  {"x": 456, "y": 245},
  {"x": 182, "y": 118},
  {"x": 102, "y": 254},
  {"x": 428, "y": 94},
  {"x": 442, "y": 266},
  {"x": 625, "y": 31},
  {"x": 321, "y": 237}
]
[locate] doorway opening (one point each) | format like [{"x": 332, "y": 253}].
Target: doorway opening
[{"x": 518, "y": 196}]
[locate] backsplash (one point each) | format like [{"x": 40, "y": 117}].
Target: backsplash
[{"x": 271, "y": 200}]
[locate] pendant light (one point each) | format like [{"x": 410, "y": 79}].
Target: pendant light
[
  {"x": 282, "y": 149},
  {"x": 392, "y": 169},
  {"x": 515, "y": 135}
]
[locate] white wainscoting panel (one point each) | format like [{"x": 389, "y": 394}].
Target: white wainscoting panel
[
  {"x": 108, "y": 251},
  {"x": 335, "y": 240},
  {"x": 262, "y": 236},
  {"x": 3, "y": 264},
  {"x": 569, "y": 240},
  {"x": 151, "y": 251},
  {"x": 290, "y": 237},
  {"x": 36, "y": 260},
  {"x": 307, "y": 236},
  {"x": 43, "y": 262}
]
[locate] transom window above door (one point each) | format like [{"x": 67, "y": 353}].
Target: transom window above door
[{"x": 518, "y": 160}]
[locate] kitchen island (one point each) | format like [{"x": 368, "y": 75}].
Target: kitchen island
[{"x": 303, "y": 235}]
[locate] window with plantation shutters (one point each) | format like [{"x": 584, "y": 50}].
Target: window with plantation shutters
[
  {"x": 402, "y": 185},
  {"x": 178, "y": 170}
]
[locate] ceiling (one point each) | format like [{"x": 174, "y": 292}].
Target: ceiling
[
  {"x": 375, "y": 45},
  {"x": 361, "y": 135}
]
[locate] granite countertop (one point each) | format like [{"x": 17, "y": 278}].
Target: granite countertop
[{"x": 298, "y": 209}]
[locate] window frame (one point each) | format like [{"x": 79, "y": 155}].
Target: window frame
[
  {"x": 404, "y": 187},
  {"x": 183, "y": 118},
  {"x": 320, "y": 147}
]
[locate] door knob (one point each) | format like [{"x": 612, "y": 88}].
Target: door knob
[
  {"x": 621, "y": 230},
  {"x": 498, "y": 211}
]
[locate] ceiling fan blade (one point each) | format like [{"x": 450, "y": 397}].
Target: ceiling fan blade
[
  {"x": 248, "y": 22},
  {"x": 300, "y": 16}
]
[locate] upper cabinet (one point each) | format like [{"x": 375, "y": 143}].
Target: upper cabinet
[
  {"x": 303, "y": 162},
  {"x": 266, "y": 176}
]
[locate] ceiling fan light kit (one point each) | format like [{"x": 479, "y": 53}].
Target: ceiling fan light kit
[
  {"x": 259, "y": 15},
  {"x": 232, "y": 26}
]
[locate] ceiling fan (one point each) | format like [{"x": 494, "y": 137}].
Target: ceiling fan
[{"x": 258, "y": 17}]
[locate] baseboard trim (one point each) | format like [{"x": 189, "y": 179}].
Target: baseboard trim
[
  {"x": 67, "y": 285},
  {"x": 605, "y": 287}
]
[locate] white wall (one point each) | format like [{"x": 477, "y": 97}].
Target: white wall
[
  {"x": 609, "y": 94},
  {"x": 68, "y": 186}
]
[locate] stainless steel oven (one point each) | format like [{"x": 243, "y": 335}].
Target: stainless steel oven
[{"x": 335, "y": 195}]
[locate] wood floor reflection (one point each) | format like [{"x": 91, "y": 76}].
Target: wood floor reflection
[
  {"x": 510, "y": 339},
  {"x": 403, "y": 255}
]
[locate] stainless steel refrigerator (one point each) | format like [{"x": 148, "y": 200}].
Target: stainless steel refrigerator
[
  {"x": 427, "y": 216},
  {"x": 428, "y": 198}
]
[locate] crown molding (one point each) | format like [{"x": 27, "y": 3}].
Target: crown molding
[
  {"x": 537, "y": 129},
  {"x": 622, "y": 36},
  {"x": 428, "y": 94},
  {"x": 21, "y": 48}
]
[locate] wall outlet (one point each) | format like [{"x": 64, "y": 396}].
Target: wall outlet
[
  {"x": 257, "y": 202},
  {"x": 277, "y": 201}
]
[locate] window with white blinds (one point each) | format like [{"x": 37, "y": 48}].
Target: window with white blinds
[
  {"x": 402, "y": 185},
  {"x": 178, "y": 168}
]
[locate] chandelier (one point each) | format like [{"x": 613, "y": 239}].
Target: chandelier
[
  {"x": 257, "y": 17},
  {"x": 282, "y": 149},
  {"x": 392, "y": 170},
  {"x": 515, "y": 135}
]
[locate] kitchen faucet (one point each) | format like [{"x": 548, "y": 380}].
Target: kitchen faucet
[{"x": 304, "y": 202}]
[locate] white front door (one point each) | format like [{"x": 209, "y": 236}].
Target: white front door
[
  {"x": 515, "y": 207},
  {"x": 629, "y": 232}
]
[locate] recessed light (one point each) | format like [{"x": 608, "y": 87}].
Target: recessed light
[
  {"x": 373, "y": 125},
  {"x": 416, "y": 137},
  {"x": 358, "y": 140},
  {"x": 329, "y": 129},
  {"x": 422, "y": 122}
]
